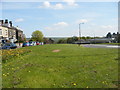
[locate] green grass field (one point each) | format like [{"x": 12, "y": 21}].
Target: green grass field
[{"x": 71, "y": 67}]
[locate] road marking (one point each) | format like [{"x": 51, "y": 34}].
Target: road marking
[{"x": 114, "y": 46}]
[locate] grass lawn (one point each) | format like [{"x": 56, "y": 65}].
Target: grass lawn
[{"x": 62, "y": 66}]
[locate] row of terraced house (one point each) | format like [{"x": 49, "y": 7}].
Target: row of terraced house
[{"x": 9, "y": 32}]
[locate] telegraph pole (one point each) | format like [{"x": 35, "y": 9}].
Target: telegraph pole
[{"x": 80, "y": 37}]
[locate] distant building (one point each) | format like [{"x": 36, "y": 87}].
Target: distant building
[
  {"x": 101, "y": 40},
  {"x": 94, "y": 41},
  {"x": 8, "y": 31}
]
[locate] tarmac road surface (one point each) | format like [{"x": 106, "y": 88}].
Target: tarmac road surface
[{"x": 100, "y": 46}]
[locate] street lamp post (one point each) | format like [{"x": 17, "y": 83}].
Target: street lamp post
[
  {"x": 94, "y": 38},
  {"x": 80, "y": 32}
]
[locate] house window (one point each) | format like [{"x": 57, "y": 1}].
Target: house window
[
  {"x": 10, "y": 33},
  {"x": 0, "y": 31},
  {"x": 6, "y": 33}
]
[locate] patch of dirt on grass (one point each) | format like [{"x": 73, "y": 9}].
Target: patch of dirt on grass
[{"x": 57, "y": 50}]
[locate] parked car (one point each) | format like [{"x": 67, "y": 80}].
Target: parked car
[
  {"x": 9, "y": 46},
  {"x": 32, "y": 43},
  {"x": 25, "y": 44},
  {"x": 37, "y": 43}
]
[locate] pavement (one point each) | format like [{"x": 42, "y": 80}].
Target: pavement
[
  {"x": 100, "y": 46},
  {"x": 19, "y": 46}
]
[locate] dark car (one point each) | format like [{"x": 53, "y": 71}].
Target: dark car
[
  {"x": 31, "y": 43},
  {"x": 9, "y": 46}
]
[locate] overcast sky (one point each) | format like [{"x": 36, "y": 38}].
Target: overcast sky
[{"x": 61, "y": 19}]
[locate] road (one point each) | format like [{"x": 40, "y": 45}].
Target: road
[{"x": 100, "y": 46}]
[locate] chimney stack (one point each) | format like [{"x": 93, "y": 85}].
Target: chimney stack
[
  {"x": 6, "y": 22},
  {"x": 1, "y": 22},
  {"x": 10, "y": 22}
]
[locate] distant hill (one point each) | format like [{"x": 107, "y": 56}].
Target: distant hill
[{"x": 56, "y": 39}]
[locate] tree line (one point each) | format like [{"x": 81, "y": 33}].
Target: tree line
[
  {"x": 38, "y": 36},
  {"x": 116, "y": 36}
]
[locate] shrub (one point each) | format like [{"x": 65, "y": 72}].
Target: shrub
[{"x": 7, "y": 54}]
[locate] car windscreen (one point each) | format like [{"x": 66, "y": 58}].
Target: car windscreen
[
  {"x": 7, "y": 44},
  {"x": 12, "y": 44}
]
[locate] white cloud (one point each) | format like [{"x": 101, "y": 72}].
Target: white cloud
[
  {"x": 70, "y": 2},
  {"x": 59, "y": 0},
  {"x": 57, "y": 26},
  {"x": 61, "y": 24},
  {"x": 82, "y": 21},
  {"x": 19, "y": 20},
  {"x": 58, "y": 6},
  {"x": 107, "y": 26},
  {"x": 46, "y": 4}
]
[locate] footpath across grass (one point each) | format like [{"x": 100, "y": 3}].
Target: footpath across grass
[{"x": 62, "y": 66}]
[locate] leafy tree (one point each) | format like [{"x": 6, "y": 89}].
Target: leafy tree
[
  {"x": 88, "y": 37},
  {"x": 114, "y": 34},
  {"x": 69, "y": 40},
  {"x": 109, "y": 35},
  {"x": 118, "y": 33},
  {"x": 118, "y": 38},
  {"x": 83, "y": 38},
  {"x": 45, "y": 40},
  {"x": 24, "y": 39},
  {"x": 62, "y": 41},
  {"x": 75, "y": 38},
  {"x": 72, "y": 39},
  {"x": 48, "y": 40},
  {"x": 51, "y": 41},
  {"x": 37, "y": 36},
  {"x": 20, "y": 39}
]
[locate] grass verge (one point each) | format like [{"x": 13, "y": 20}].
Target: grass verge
[{"x": 71, "y": 66}]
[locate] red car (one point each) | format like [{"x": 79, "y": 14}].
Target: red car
[{"x": 37, "y": 43}]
